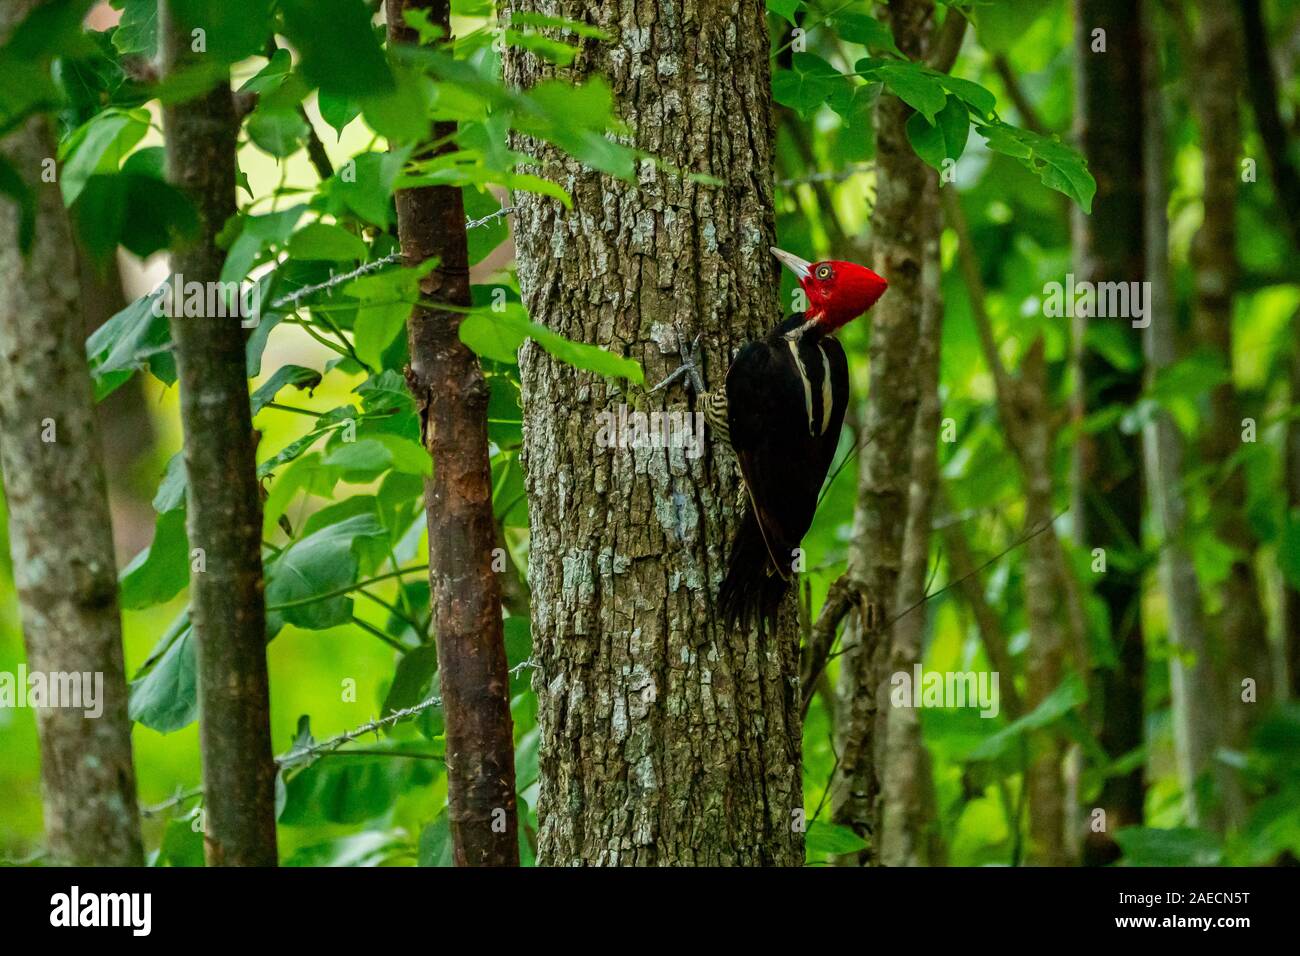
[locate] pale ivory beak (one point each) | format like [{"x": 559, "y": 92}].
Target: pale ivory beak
[{"x": 800, "y": 267}]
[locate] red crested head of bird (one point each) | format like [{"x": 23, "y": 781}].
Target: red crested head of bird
[{"x": 837, "y": 292}]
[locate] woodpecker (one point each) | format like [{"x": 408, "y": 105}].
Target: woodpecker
[{"x": 780, "y": 412}]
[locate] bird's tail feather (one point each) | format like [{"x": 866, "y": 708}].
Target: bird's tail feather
[{"x": 752, "y": 589}]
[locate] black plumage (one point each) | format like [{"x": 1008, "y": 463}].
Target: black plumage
[{"x": 785, "y": 398}]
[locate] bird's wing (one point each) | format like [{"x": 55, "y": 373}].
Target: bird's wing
[{"x": 768, "y": 422}]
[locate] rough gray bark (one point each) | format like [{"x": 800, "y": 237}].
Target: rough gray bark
[
  {"x": 60, "y": 535},
  {"x": 446, "y": 380},
  {"x": 1191, "y": 678},
  {"x": 665, "y": 738},
  {"x": 224, "y": 515},
  {"x": 1239, "y": 628},
  {"x": 884, "y": 463},
  {"x": 1107, "y": 506}
]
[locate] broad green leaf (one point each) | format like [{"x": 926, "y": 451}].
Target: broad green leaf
[
  {"x": 231, "y": 31},
  {"x": 1178, "y": 846},
  {"x": 915, "y": 86},
  {"x": 1070, "y": 693},
  {"x": 137, "y": 337},
  {"x": 435, "y": 843},
  {"x": 137, "y": 31},
  {"x": 785, "y": 9},
  {"x": 866, "y": 30},
  {"x": 810, "y": 83},
  {"x": 339, "y": 50},
  {"x": 1060, "y": 167},
  {"x": 337, "y": 111},
  {"x": 413, "y": 681},
  {"x": 99, "y": 146},
  {"x": 278, "y": 132},
  {"x": 249, "y": 236},
  {"x": 943, "y": 139},
  {"x": 171, "y": 490},
  {"x": 300, "y": 578},
  {"x": 498, "y": 335},
  {"x": 325, "y": 241},
  {"x": 386, "y": 299},
  {"x": 166, "y": 698},
  {"x": 285, "y": 375},
  {"x": 832, "y": 838},
  {"x": 161, "y": 571}
]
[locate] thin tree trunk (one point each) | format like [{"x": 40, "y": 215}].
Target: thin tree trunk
[
  {"x": 1026, "y": 420},
  {"x": 665, "y": 737},
  {"x": 224, "y": 516},
  {"x": 1192, "y": 682},
  {"x": 447, "y": 381},
  {"x": 1239, "y": 626},
  {"x": 1290, "y": 608},
  {"x": 910, "y": 827},
  {"x": 1107, "y": 506},
  {"x": 60, "y": 535},
  {"x": 884, "y": 464}
]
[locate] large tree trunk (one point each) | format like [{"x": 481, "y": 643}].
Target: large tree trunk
[
  {"x": 224, "y": 517},
  {"x": 447, "y": 381},
  {"x": 1107, "y": 506},
  {"x": 884, "y": 464},
  {"x": 60, "y": 535},
  {"x": 1239, "y": 626},
  {"x": 1193, "y": 687},
  {"x": 665, "y": 737}
]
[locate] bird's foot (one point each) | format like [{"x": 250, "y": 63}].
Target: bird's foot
[{"x": 691, "y": 369}]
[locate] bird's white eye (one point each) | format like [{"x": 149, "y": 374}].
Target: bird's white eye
[{"x": 823, "y": 272}]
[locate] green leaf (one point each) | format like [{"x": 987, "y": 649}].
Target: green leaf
[
  {"x": 166, "y": 698},
  {"x": 1178, "y": 846},
  {"x": 1069, "y": 694},
  {"x": 563, "y": 24},
  {"x": 810, "y": 83},
  {"x": 134, "y": 338},
  {"x": 270, "y": 77},
  {"x": 285, "y": 375},
  {"x": 943, "y": 139},
  {"x": 339, "y": 51},
  {"x": 231, "y": 31},
  {"x": 137, "y": 30},
  {"x": 832, "y": 838},
  {"x": 785, "y": 9},
  {"x": 413, "y": 682},
  {"x": 253, "y": 235},
  {"x": 300, "y": 576},
  {"x": 337, "y": 111},
  {"x": 366, "y": 186},
  {"x": 915, "y": 86},
  {"x": 1060, "y": 167},
  {"x": 99, "y": 146},
  {"x": 980, "y": 100},
  {"x": 350, "y": 789},
  {"x": 161, "y": 571},
  {"x": 171, "y": 490},
  {"x": 324, "y": 241},
  {"x": 498, "y": 334},
  {"x": 866, "y": 30},
  {"x": 401, "y": 114},
  {"x": 278, "y": 132},
  {"x": 435, "y": 843},
  {"x": 386, "y": 299}
]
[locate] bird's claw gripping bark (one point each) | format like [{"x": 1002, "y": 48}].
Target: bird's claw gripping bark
[{"x": 691, "y": 368}]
